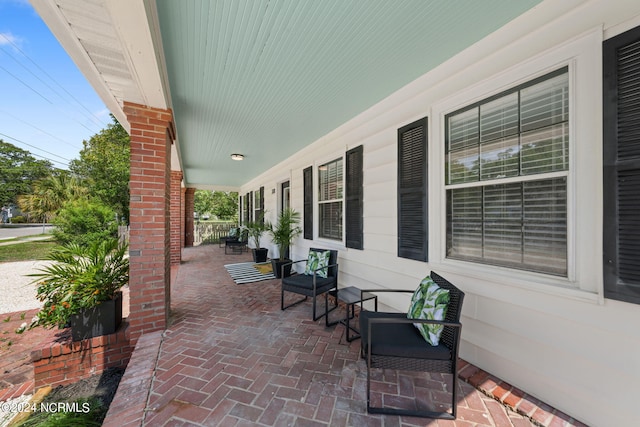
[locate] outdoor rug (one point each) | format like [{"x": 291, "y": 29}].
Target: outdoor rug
[{"x": 248, "y": 272}]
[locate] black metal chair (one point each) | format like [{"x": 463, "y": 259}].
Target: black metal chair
[
  {"x": 233, "y": 236},
  {"x": 239, "y": 245},
  {"x": 390, "y": 341},
  {"x": 311, "y": 285}
]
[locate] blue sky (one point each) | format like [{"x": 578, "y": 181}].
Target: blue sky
[{"x": 46, "y": 105}]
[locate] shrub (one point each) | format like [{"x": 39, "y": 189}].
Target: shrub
[
  {"x": 18, "y": 220},
  {"x": 80, "y": 277},
  {"x": 84, "y": 221}
]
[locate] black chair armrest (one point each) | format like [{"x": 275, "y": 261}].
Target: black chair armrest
[
  {"x": 407, "y": 320},
  {"x": 294, "y": 262},
  {"x": 373, "y": 291}
]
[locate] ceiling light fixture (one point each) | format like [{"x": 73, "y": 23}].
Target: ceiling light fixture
[{"x": 237, "y": 157}]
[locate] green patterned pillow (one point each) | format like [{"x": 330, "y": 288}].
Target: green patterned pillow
[
  {"x": 318, "y": 259},
  {"x": 233, "y": 232},
  {"x": 429, "y": 301}
]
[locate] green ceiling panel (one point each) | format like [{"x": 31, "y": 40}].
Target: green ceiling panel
[{"x": 267, "y": 77}]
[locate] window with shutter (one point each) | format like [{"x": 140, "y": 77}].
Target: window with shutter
[
  {"x": 412, "y": 191},
  {"x": 259, "y": 205},
  {"x": 307, "y": 178},
  {"x": 506, "y": 166},
  {"x": 330, "y": 199},
  {"x": 621, "y": 149},
  {"x": 248, "y": 208},
  {"x": 354, "y": 195},
  {"x": 285, "y": 195}
]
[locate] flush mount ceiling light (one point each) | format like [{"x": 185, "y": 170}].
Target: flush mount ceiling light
[{"x": 237, "y": 157}]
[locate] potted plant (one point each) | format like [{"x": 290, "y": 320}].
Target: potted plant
[
  {"x": 282, "y": 234},
  {"x": 81, "y": 288},
  {"x": 256, "y": 230}
]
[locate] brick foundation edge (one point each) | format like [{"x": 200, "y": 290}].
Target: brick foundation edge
[
  {"x": 129, "y": 403},
  {"x": 62, "y": 363}
]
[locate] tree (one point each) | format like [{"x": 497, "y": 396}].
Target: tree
[
  {"x": 225, "y": 205},
  {"x": 203, "y": 202},
  {"x": 104, "y": 167},
  {"x": 222, "y": 204},
  {"x": 18, "y": 170},
  {"x": 85, "y": 222},
  {"x": 50, "y": 194}
]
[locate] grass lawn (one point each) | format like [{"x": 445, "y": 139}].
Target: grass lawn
[{"x": 26, "y": 251}]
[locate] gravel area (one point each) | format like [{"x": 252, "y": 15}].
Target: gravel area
[{"x": 17, "y": 293}]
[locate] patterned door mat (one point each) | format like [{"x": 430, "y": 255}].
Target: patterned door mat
[{"x": 248, "y": 272}]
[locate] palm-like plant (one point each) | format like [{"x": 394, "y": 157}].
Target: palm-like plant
[
  {"x": 81, "y": 277},
  {"x": 50, "y": 194},
  {"x": 285, "y": 230}
]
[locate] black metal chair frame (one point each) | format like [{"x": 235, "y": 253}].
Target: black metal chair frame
[
  {"x": 224, "y": 239},
  {"x": 312, "y": 291},
  {"x": 450, "y": 339},
  {"x": 238, "y": 245}
]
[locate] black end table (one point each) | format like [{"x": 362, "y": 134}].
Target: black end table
[{"x": 350, "y": 296}]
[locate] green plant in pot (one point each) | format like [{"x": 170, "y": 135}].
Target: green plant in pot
[
  {"x": 282, "y": 234},
  {"x": 256, "y": 230},
  {"x": 81, "y": 288}
]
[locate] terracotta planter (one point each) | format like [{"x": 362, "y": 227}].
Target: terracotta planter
[{"x": 104, "y": 319}]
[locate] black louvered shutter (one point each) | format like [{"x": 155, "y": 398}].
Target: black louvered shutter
[
  {"x": 240, "y": 210},
  {"x": 412, "y": 191},
  {"x": 621, "y": 149},
  {"x": 354, "y": 198},
  {"x": 247, "y": 204},
  {"x": 261, "y": 206},
  {"x": 307, "y": 221}
]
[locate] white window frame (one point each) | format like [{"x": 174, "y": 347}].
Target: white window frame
[
  {"x": 318, "y": 202},
  {"x": 481, "y": 182},
  {"x": 582, "y": 55}
]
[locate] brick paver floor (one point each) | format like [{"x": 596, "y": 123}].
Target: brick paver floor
[{"x": 231, "y": 357}]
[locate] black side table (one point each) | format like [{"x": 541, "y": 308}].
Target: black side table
[{"x": 350, "y": 296}]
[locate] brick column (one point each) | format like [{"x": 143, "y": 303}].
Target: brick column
[
  {"x": 176, "y": 213},
  {"x": 189, "y": 199},
  {"x": 183, "y": 192},
  {"x": 149, "y": 239}
]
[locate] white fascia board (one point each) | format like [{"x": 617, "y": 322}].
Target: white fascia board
[
  {"x": 134, "y": 29},
  {"x": 57, "y": 23}
]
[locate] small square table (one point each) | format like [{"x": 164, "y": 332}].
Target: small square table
[{"x": 350, "y": 296}]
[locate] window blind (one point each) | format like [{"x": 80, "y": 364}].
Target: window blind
[{"x": 522, "y": 135}]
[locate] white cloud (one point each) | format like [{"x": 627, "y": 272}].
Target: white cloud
[{"x": 8, "y": 39}]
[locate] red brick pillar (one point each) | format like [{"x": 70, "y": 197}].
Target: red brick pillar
[
  {"x": 149, "y": 242},
  {"x": 176, "y": 217},
  {"x": 183, "y": 192},
  {"x": 189, "y": 199}
]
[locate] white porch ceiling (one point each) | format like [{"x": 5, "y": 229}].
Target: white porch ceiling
[{"x": 264, "y": 78}]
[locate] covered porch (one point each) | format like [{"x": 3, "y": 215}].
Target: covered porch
[
  {"x": 230, "y": 356},
  {"x": 370, "y": 90}
]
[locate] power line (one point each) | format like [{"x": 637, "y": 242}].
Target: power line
[
  {"x": 92, "y": 115},
  {"x": 33, "y": 146},
  {"x": 45, "y": 98},
  {"x": 40, "y": 130}
]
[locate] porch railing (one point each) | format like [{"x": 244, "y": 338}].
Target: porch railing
[
  {"x": 123, "y": 233},
  {"x": 204, "y": 232},
  {"x": 210, "y": 232}
]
